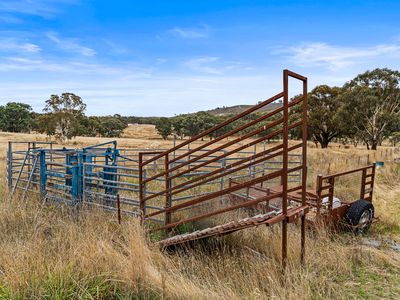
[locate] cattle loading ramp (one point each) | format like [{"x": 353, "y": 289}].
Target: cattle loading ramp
[{"x": 213, "y": 208}]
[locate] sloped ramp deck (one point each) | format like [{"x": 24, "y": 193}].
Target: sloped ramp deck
[{"x": 267, "y": 219}]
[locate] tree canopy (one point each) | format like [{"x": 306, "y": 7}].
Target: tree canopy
[
  {"x": 323, "y": 119},
  {"x": 62, "y": 115},
  {"x": 164, "y": 127},
  {"x": 16, "y": 117},
  {"x": 371, "y": 106}
]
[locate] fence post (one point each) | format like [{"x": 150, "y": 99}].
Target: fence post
[
  {"x": 331, "y": 191},
  {"x": 141, "y": 196},
  {"x": 167, "y": 192},
  {"x": 319, "y": 193},
  {"x": 43, "y": 173},
  {"x": 284, "y": 177},
  {"x": 75, "y": 182},
  {"x": 9, "y": 165},
  {"x": 119, "y": 209},
  {"x": 84, "y": 185},
  {"x": 363, "y": 180}
]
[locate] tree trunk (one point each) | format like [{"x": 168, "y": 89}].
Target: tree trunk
[
  {"x": 324, "y": 144},
  {"x": 374, "y": 144}
]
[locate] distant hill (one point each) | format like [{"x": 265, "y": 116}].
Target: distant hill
[
  {"x": 237, "y": 109},
  {"x": 219, "y": 111}
]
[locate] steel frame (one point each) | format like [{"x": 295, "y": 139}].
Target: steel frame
[{"x": 248, "y": 136}]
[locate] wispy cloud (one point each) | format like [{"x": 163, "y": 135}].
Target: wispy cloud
[
  {"x": 14, "y": 45},
  {"x": 190, "y": 33},
  {"x": 43, "y": 8},
  {"x": 336, "y": 57},
  {"x": 70, "y": 44},
  {"x": 214, "y": 65},
  {"x": 114, "y": 47},
  {"x": 203, "y": 64},
  {"x": 68, "y": 67}
]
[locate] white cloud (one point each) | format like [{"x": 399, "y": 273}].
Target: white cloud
[
  {"x": 203, "y": 64},
  {"x": 69, "y": 44},
  {"x": 214, "y": 65},
  {"x": 42, "y": 8},
  {"x": 336, "y": 57},
  {"x": 190, "y": 33},
  {"x": 10, "y": 44}
]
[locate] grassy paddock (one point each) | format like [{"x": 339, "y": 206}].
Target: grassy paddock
[{"x": 51, "y": 252}]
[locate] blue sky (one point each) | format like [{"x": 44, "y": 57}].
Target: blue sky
[{"x": 169, "y": 57}]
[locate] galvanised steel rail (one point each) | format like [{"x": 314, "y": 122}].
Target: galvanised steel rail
[
  {"x": 95, "y": 175},
  {"x": 240, "y": 136}
]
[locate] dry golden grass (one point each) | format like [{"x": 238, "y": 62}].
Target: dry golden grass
[
  {"x": 146, "y": 131},
  {"x": 53, "y": 252}
]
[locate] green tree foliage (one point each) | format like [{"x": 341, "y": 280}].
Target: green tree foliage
[
  {"x": 108, "y": 126},
  {"x": 111, "y": 126},
  {"x": 196, "y": 123},
  {"x": 323, "y": 114},
  {"x": 178, "y": 124},
  {"x": 164, "y": 127},
  {"x": 63, "y": 114},
  {"x": 89, "y": 126},
  {"x": 371, "y": 106},
  {"x": 395, "y": 138},
  {"x": 16, "y": 117}
]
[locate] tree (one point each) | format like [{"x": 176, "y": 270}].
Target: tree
[
  {"x": 371, "y": 106},
  {"x": 196, "y": 123},
  {"x": 64, "y": 112},
  {"x": 178, "y": 124},
  {"x": 164, "y": 127},
  {"x": 323, "y": 114},
  {"x": 111, "y": 126},
  {"x": 89, "y": 126},
  {"x": 16, "y": 117},
  {"x": 395, "y": 138}
]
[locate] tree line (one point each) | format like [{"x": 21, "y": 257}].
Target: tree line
[
  {"x": 364, "y": 110},
  {"x": 63, "y": 117}
]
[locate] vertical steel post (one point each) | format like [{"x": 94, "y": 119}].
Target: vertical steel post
[
  {"x": 141, "y": 198},
  {"x": 330, "y": 193},
  {"x": 372, "y": 181},
  {"x": 284, "y": 178},
  {"x": 84, "y": 200},
  {"x": 75, "y": 181},
  {"x": 119, "y": 209},
  {"x": 144, "y": 191},
  {"x": 167, "y": 192},
  {"x": 28, "y": 152},
  {"x": 43, "y": 173},
  {"x": 363, "y": 180},
  {"x": 304, "y": 170},
  {"x": 319, "y": 193},
  {"x": 9, "y": 165}
]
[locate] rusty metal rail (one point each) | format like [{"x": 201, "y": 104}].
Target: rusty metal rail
[{"x": 209, "y": 203}]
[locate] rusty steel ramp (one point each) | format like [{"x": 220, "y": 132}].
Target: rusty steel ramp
[{"x": 267, "y": 219}]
